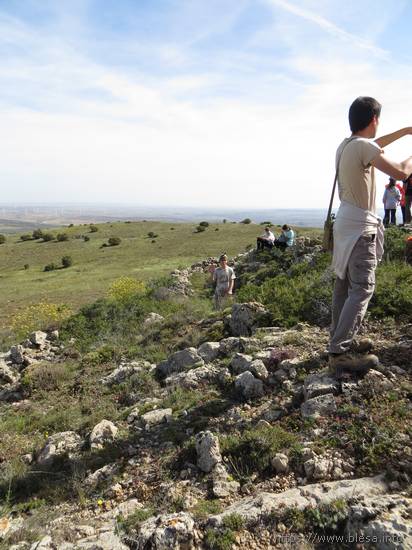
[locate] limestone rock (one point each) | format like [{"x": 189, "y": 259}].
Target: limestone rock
[
  {"x": 245, "y": 318},
  {"x": 104, "y": 432},
  {"x": 253, "y": 508},
  {"x": 209, "y": 351},
  {"x": 7, "y": 375},
  {"x": 123, "y": 372},
  {"x": 321, "y": 405},
  {"x": 63, "y": 444},
  {"x": 280, "y": 463},
  {"x": 222, "y": 485},
  {"x": 248, "y": 386},
  {"x": 38, "y": 338},
  {"x": 319, "y": 384},
  {"x": 155, "y": 417},
  {"x": 101, "y": 475},
  {"x": 17, "y": 354},
  {"x": 179, "y": 361},
  {"x": 194, "y": 377},
  {"x": 152, "y": 319},
  {"x": 167, "y": 532},
  {"x": 208, "y": 451}
]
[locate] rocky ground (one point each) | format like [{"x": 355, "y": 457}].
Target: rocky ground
[{"x": 245, "y": 442}]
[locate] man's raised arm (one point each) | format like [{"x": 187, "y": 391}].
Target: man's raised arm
[
  {"x": 390, "y": 138},
  {"x": 396, "y": 170}
]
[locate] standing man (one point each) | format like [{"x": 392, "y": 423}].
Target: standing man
[
  {"x": 224, "y": 277},
  {"x": 358, "y": 231}
]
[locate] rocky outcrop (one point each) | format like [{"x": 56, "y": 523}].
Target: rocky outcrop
[
  {"x": 167, "y": 532},
  {"x": 179, "y": 361},
  {"x": 59, "y": 445},
  {"x": 246, "y": 318},
  {"x": 208, "y": 451},
  {"x": 104, "y": 432}
]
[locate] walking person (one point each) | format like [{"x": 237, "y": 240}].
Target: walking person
[
  {"x": 266, "y": 240},
  {"x": 224, "y": 277},
  {"x": 391, "y": 199},
  {"x": 358, "y": 231},
  {"x": 407, "y": 185}
]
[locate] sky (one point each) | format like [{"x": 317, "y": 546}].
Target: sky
[{"x": 210, "y": 103}]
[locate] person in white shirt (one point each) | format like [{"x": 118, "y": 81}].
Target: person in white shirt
[
  {"x": 358, "y": 231},
  {"x": 266, "y": 240}
]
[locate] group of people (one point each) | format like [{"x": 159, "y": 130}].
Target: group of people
[
  {"x": 268, "y": 239},
  {"x": 397, "y": 194},
  {"x": 358, "y": 234}
]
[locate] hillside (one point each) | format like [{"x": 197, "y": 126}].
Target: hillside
[
  {"x": 95, "y": 267},
  {"x": 149, "y": 421}
]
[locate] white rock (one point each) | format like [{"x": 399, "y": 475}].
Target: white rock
[
  {"x": 152, "y": 319},
  {"x": 322, "y": 405},
  {"x": 249, "y": 386},
  {"x": 167, "y": 532},
  {"x": 179, "y": 361},
  {"x": 158, "y": 416},
  {"x": 63, "y": 444},
  {"x": 38, "y": 338},
  {"x": 104, "y": 432},
  {"x": 208, "y": 451},
  {"x": 209, "y": 351},
  {"x": 280, "y": 463}
]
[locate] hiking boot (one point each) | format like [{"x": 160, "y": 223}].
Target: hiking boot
[
  {"x": 351, "y": 363},
  {"x": 363, "y": 345}
]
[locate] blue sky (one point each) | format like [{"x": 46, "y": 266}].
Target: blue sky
[{"x": 220, "y": 103}]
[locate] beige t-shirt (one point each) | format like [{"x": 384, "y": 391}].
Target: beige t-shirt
[{"x": 356, "y": 182}]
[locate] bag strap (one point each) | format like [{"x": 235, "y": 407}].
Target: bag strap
[{"x": 336, "y": 177}]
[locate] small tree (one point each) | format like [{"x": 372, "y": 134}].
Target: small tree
[
  {"x": 114, "y": 241},
  {"x": 50, "y": 267},
  {"x": 37, "y": 234},
  {"x": 26, "y": 266},
  {"x": 61, "y": 237},
  {"x": 47, "y": 237},
  {"x": 204, "y": 224},
  {"x": 2, "y": 239},
  {"x": 67, "y": 261},
  {"x": 93, "y": 228},
  {"x": 86, "y": 238},
  {"x": 152, "y": 235},
  {"x": 246, "y": 221}
]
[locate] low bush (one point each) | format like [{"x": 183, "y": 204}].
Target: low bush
[
  {"x": 37, "y": 234},
  {"x": 86, "y": 238},
  {"x": 40, "y": 316},
  {"x": 114, "y": 241},
  {"x": 61, "y": 237},
  {"x": 204, "y": 224},
  {"x": 2, "y": 238},
  {"x": 246, "y": 221},
  {"x": 26, "y": 237},
  {"x": 67, "y": 261},
  {"x": 124, "y": 288},
  {"x": 50, "y": 267},
  {"x": 47, "y": 237},
  {"x": 152, "y": 235},
  {"x": 200, "y": 229},
  {"x": 93, "y": 228}
]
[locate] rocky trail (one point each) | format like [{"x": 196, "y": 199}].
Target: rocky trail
[{"x": 245, "y": 442}]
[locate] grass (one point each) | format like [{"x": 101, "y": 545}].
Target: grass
[{"x": 94, "y": 268}]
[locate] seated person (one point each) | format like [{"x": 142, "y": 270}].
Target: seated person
[
  {"x": 266, "y": 240},
  {"x": 286, "y": 239}
]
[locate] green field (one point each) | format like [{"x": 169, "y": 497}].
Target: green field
[{"x": 94, "y": 268}]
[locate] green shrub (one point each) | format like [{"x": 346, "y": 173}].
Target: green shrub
[
  {"x": 114, "y": 241},
  {"x": 2, "y": 238},
  {"x": 93, "y": 228},
  {"x": 394, "y": 243},
  {"x": 61, "y": 237},
  {"x": 393, "y": 294},
  {"x": 246, "y": 221},
  {"x": 47, "y": 237},
  {"x": 86, "y": 238},
  {"x": 205, "y": 508},
  {"x": 204, "y": 224},
  {"x": 251, "y": 451},
  {"x": 222, "y": 539},
  {"x": 37, "y": 234},
  {"x": 200, "y": 229},
  {"x": 26, "y": 237},
  {"x": 152, "y": 235},
  {"x": 26, "y": 266},
  {"x": 50, "y": 267},
  {"x": 67, "y": 261}
]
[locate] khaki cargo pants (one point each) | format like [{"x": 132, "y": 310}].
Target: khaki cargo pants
[{"x": 351, "y": 295}]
